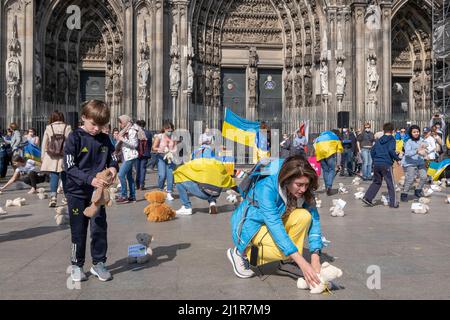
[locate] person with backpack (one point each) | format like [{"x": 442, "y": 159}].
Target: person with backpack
[
  {"x": 277, "y": 214},
  {"x": 52, "y": 153},
  {"x": 144, "y": 157},
  {"x": 128, "y": 144}
]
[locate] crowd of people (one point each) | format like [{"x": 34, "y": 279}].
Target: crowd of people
[{"x": 281, "y": 205}]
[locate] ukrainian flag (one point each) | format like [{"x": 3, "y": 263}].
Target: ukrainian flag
[
  {"x": 203, "y": 170},
  {"x": 437, "y": 168},
  {"x": 228, "y": 162},
  {"x": 239, "y": 130},
  {"x": 203, "y": 152},
  {"x": 31, "y": 151},
  {"x": 327, "y": 144}
]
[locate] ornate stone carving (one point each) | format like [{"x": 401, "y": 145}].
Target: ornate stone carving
[
  {"x": 372, "y": 81},
  {"x": 298, "y": 89},
  {"x": 62, "y": 84},
  {"x": 252, "y": 87},
  {"x": 288, "y": 88},
  {"x": 324, "y": 77},
  {"x": 208, "y": 86},
  {"x": 190, "y": 77},
  {"x": 13, "y": 64},
  {"x": 175, "y": 77},
  {"x": 417, "y": 85},
  {"x": 216, "y": 87},
  {"x": 372, "y": 17},
  {"x": 143, "y": 65},
  {"x": 73, "y": 85},
  {"x": 340, "y": 74},
  {"x": 427, "y": 89},
  {"x": 308, "y": 86}
]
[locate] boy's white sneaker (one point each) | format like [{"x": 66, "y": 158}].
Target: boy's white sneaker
[
  {"x": 169, "y": 197},
  {"x": 183, "y": 211}
]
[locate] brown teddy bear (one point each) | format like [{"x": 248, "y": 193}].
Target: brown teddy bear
[
  {"x": 101, "y": 196},
  {"x": 158, "y": 210}
]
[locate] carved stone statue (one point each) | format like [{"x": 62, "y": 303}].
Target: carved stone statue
[
  {"x": 323, "y": 77},
  {"x": 340, "y": 78},
  {"x": 143, "y": 71},
  {"x": 252, "y": 87},
  {"x": 372, "y": 16},
  {"x": 308, "y": 86},
  {"x": 298, "y": 89},
  {"x": 372, "y": 76},
  {"x": 216, "y": 82},
  {"x": 427, "y": 88},
  {"x": 116, "y": 81},
  {"x": 417, "y": 85},
  {"x": 253, "y": 57},
  {"x": 13, "y": 75},
  {"x": 175, "y": 76},
  {"x": 190, "y": 77},
  {"x": 208, "y": 88},
  {"x": 288, "y": 88}
]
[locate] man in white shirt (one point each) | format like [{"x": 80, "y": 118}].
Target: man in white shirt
[{"x": 431, "y": 142}]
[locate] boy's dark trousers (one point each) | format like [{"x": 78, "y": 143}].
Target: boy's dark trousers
[
  {"x": 380, "y": 172},
  {"x": 78, "y": 227}
]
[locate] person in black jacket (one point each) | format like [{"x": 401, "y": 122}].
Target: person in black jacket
[
  {"x": 88, "y": 151},
  {"x": 348, "y": 139},
  {"x": 383, "y": 155}
]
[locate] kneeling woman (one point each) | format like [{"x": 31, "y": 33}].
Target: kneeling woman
[{"x": 276, "y": 217}]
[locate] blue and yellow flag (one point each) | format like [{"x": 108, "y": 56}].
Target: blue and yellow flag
[
  {"x": 203, "y": 170},
  {"x": 327, "y": 144},
  {"x": 32, "y": 151},
  {"x": 239, "y": 130},
  {"x": 437, "y": 168}
]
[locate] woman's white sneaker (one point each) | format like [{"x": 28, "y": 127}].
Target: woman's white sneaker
[
  {"x": 183, "y": 211},
  {"x": 240, "y": 264}
]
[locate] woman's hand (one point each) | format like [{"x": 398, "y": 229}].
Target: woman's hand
[
  {"x": 315, "y": 262},
  {"x": 310, "y": 274}
]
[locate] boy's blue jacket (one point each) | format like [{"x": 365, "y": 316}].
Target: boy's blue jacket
[
  {"x": 85, "y": 156},
  {"x": 271, "y": 207},
  {"x": 383, "y": 152}
]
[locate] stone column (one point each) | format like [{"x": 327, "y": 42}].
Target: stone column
[
  {"x": 183, "y": 112},
  {"x": 158, "y": 78},
  {"x": 14, "y": 70},
  {"x": 386, "y": 12},
  {"x": 28, "y": 65},
  {"x": 330, "y": 102},
  {"x": 358, "y": 79},
  {"x": 128, "y": 82}
]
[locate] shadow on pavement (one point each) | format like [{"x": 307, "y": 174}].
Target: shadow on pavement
[
  {"x": 220, "y": 209},
  {"x": 161, "y": 255},
  {"x": 15, "y": 216},
  {"x": 30, "y": 233}
]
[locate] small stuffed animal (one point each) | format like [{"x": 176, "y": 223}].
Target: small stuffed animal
[
  {"x": 101, "y": 196},
  {"x": 424, "y": 200},
  {"x": 326, "y": 275},
  {"x": 356, "y": 181},
  {"x": 17, "y": 202},
  {"x": 2, "y": 212},
  {"x": 318, "y": 202},
  {"x": 145, "y": 240},
  {"x": 359, "y": 195},
  {"x": 62, "y": 216},
  {"x": 337, "y": 210},
  {"x": 233, "y": 196},
  {"x": 342, "y": 189},
  {"x": 360, "y": 189},
  {"x": 41, "y": 194},
  {"x": 420, "y": 208},
  {"x": 448, "y": 199},
  {"x": 158, "y": 210},
  {"x": 427, "y": 192},
  {"x": 168, "y": 155},
  {"x": 436, "y": 187}
]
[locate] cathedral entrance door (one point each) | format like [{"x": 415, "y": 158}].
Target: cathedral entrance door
[
  {"x": 92, "y": 85},
  {"x": 270, "y": 107}
]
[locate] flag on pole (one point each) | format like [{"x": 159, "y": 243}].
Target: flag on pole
[
  {"x": 327, "y": 144},
  {"x": 32, "y": 151},
  {"x": 238, "y": 129},
  {"x": 437, "y": 168}
]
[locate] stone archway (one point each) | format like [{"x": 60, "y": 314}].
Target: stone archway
[
  {"x": 63, "y": 53},
  {"x": 411, "y": 63}
]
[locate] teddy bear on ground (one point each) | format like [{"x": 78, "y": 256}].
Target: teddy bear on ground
[
  {"x": 318, "y": 202},
  {"x": 158, "y": 210},
  {"x": 424, "y": 200},
  {"x": 17, "y": 202},
  {"x": 356, "y": 181},
  {"x": 342, "y": 189},
  {"x": 2, "y": 211},
  {"x": 337, "y": 210},
  {"x": 41, "y": 194},
  {"x": 326, "y": 275},
  {"x": 427, "y": 192},
  {"x": 143, "y": 239},
  {"x": 62, "y": 216},
  {"x": 359, "y": 193},
  {"x": 420, "y": 208},
  {"x": 101, "y": 196},
  {"x": 436, "y": 187}
]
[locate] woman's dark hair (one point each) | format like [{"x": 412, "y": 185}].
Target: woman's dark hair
[
  {"x": 295, "y": 167},
  {"x": 55, "y": 117},
  {"x": 18, "y": 158},
  {"x": 413, "y": 127},
  {"x": 13, "y": 126},
  {"x": 167, "y": 125}
]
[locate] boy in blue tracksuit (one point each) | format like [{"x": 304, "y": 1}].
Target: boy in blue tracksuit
[
  {"x": 383, "y": 155},
  {"x": 88, "y": 151}
]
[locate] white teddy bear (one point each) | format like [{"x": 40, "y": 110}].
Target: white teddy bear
[
  {"x": 326, "y": 275},
  {"x": 2, "y": 211},
  {"x": 41, "y": 194},
  {"x": 427, "y": 192},
  {"x": 337, "y": 210},
  {"x": 359, "y": 195},
  {"x": 356, "y": 181},
  {"x": 424, "y": 200},
  {"x": 420, "y": 208},
  {"x": 145, "y": 240},
  {"x": 342, "y": 189},
  {"x": 233, "y": 197},
  {"x": 385, "y": 200},
  {"x": 436, "y": 187},
  {"x": 17, "y": 202},
  {"x": 62, "y": 216},
  {"x": 318, "y": 202}
]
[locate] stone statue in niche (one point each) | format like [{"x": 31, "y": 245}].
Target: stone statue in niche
[
  {"x": 208, "y": 88},
  {"x": 13, "y": 75},
  {"x": 417, "y": 89},
  {"x": 116, "y": 81},
  {"x": 323, "y": 77},
  {"x": 175, "y": 76},
  {"x": 190, "y": 77},
  {"x": 298, "y": 88},
  {"x": 340, "y": 78},
  {"x": 427, "y": 88},
  {"x": 372, "y": 75},
  {"x": 252, "y": 87},
  {"x": 308, "y": 86},
  {"x": 62, "y": 84},
  {"x": 288, "y": 88},
  {"x": 372, "y": 16}
]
